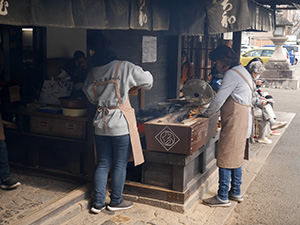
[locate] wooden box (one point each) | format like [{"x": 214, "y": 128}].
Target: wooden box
[
  {"x": 58, "y": 127},
  {"x": 180, "y": 138}
]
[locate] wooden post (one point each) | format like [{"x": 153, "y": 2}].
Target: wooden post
[{"x": 236, "y": 45}]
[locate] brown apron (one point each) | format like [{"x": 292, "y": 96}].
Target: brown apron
[
  {"x": 129, "y": 114},
  {"x": 233, "y": 137}
]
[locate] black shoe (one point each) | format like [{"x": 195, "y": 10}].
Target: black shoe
[
  {"x": 122, "y": 205},
  {"x": 216, "y": 202},
  {"x": 10, "y": 184},
  {"x": 97, "y": 209}
]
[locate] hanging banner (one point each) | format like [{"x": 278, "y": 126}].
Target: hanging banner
[
  {"x": 261, "y": 19},
  {"x": 187, "y": 17},
  {"x": 140, "y": 17},
  {"x": 52, "y": 13},
  {"x": 89, "y": 14},
  {"x": 227, "y": 16},
  {"x": 178, "y": 17},
  {"x": 161, "y": 11},
  {"x": 17, "y": 13},
  {"x": 117, "y": 14}
]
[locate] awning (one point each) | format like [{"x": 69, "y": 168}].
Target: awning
[
  {"x": 187, "y": 17},
  {"x": 238, "y": 15},
  {"x": 183, "y": 17},
  {"x": 152, "y": 15},
  {"x": 261, "y": 18}
]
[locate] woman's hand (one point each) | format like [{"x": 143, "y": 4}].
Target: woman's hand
[
  {"x": 134, "y": 90},
  {"x": 263, "y": 101},
  {"x": 259, "y": 82}
]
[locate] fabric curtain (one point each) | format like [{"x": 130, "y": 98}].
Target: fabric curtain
[
  {"x": 52, "y": 13},
  {"x": 180, "y": 17},
  {"x": 261, "y": 19},
  {"x": 17, "y": 13}
]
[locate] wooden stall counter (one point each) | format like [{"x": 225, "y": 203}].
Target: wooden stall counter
[
  {"x": 48, "y": 142},
  {"x": 176, "y": 167}
]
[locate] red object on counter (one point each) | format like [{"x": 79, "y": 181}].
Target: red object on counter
[{"x": 141, "y": 127}]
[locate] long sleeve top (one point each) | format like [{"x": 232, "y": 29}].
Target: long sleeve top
[
  {"x": 235, "y": 86},
  {"x": 129, "y": 75},
  {"x": 256, "y": 102}
]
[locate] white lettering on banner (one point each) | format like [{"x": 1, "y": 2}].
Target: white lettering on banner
[
  {"x": 225, "y": 19},
  {"x": 3, "y": 7},
  {"x": 143, "y": 16}
]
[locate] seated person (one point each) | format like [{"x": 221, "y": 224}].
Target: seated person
[
  {"x": 269, "y": 108},
  {"x": 264, "y": 112}
]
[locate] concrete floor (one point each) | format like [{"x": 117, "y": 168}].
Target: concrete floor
[{"x": 274, "y": 197}]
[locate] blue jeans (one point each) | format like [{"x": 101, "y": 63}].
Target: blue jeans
[
  {"x": 4, "y": 167},
  {"x": 225, "y": 175},
  {"x": 113, "y": 154}
]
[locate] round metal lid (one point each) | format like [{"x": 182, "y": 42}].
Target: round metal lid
[{"x": 198, "y": 92}]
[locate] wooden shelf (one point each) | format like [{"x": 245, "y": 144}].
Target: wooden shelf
[
  {"x": 14, "y": 131},
  {"x": 42, "y": 114}
]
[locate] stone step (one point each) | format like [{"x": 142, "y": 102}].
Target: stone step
[
  {"x": 62, "y": 208},
  {"x": 67, "y": 215}
]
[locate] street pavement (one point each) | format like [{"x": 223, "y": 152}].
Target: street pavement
[
  {"x": 274, "y": 197},
  {"x": 35, "y": 193},
  {"x": 270, "y": 188}
]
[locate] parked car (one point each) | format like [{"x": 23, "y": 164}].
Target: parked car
[
  {"x": 291, "y": 51},
  {"x": 264, "y": 53},
  {"x": 245, "y": 48}
]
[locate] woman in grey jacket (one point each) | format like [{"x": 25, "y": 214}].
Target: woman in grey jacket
[
  {"x": 234, "y": 98},
  {"x": 116, "y": 135}
]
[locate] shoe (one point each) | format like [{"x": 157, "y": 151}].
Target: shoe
[
  {"x": 122, "y": 205},
  {"x": 96, "y": 209},
  {"x": 10, "y": 184},
  {"x": 278, "y": 125},
  {"x": 216, "y": 202},
  {"x": 264, "y": 140},
  {"x": 237, "y": 198},
  {"x": 275, "y": 133}
]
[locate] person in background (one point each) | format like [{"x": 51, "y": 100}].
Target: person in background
[
  {"x": 187, "y": 69},
  {"x": 7, "y": 183},
  {"x": 215, "y": 79},
  {"x": 81, "y": 69},
  {"x": 263, "y": 112},
  {"x": 75, "y": 70},
  {"x": 116, "y": 134},
  {"x": 234, "y": 98}
]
